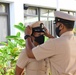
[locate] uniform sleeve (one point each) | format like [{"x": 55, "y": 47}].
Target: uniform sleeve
[
  {"x": 45, "y": 50},
  {"x": 22, "y": 60}
]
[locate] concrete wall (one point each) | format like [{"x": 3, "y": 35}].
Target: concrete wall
[{"x": 16, "y": 8}]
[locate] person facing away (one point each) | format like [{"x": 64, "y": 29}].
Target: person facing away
[
  {"x": 31, "y": 65},
  {"x": 60, "y": 51}
]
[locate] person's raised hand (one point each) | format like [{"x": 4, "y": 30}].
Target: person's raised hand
[
  {"x": 47, "y": 33},
  {"x": 28, "y": 30}
]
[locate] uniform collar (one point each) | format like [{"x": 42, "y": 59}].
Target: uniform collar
[{"x": 68, "y": 33}]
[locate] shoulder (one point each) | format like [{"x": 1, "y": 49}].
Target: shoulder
[
  {"x": 57, "y": 42},
  {"x": 54, "y": 40},
  {"x": 23, "y": 55}
]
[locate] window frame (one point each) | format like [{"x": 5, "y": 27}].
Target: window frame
[
  {"x": 7, "y": 14},
  {"x": 39, "y": 15}
]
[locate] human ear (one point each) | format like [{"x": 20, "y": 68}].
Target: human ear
[{"x": 61, "y": 26}]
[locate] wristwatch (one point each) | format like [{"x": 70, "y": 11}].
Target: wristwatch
[{"x": 26, "y": 36}]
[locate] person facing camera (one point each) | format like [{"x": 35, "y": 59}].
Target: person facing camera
[{"x": 31, "y": 65}]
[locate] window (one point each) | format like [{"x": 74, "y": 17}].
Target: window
[
  {"x": 31, "y": 11},
  {"x": 30, "y": 15},
  {"x": 47, "y": 16},
  {"x": 2, "y": 8},
  {"x": 69, "y": 12},
  {"x": 33, "y": 14},
  {"x": 3, "y": 22}
]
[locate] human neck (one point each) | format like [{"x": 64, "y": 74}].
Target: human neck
[{"x": 66, "y": 30}]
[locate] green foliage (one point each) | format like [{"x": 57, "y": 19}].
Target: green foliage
[
  {"x": 20, "y": 27},
  {"x": 46, "y": 38},
  {"x": 74, "y": 30},
  {"x": 9, "y": 51}
]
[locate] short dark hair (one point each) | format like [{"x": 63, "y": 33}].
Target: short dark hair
[{"x": 69, "y": 25}]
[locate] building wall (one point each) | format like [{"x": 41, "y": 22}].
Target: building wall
[{"x": 17, "y": 13}]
